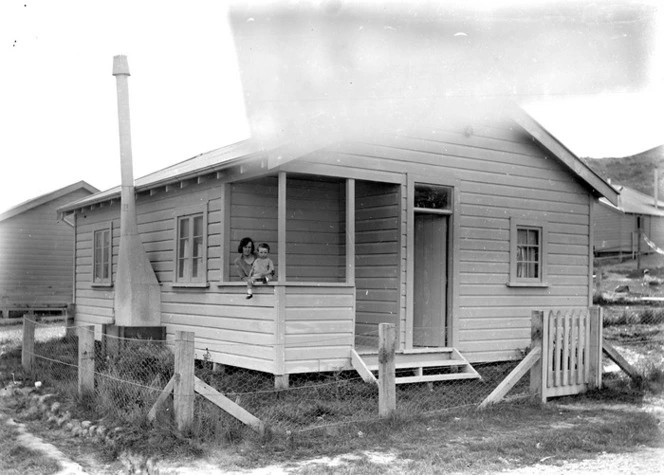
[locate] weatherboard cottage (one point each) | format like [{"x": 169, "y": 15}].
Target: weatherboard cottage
[
  {"x": 37, "y": 252},
  {"x": 453, "y": 230},
  {"x": 634, "y": 226}
]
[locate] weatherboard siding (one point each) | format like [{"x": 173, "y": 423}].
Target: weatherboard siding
[
  {"x": 377, "y": 256},
  {"x": 36, "y": 256},
  {"x": 228, "y": 329},
  {"x": 315, "y": 226},
  {"x": 499, "y": 174},
  {"x": 613, "y": 230},
  {"x": 318, "y": 327}
]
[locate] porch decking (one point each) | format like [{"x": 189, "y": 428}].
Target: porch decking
[{"x": 418, "y": 365}]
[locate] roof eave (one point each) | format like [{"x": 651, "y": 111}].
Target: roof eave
[
  {"x": 40, "y": 200},
  {"x": 598, "y": 186},
  {"x": 91, "y": 201}
]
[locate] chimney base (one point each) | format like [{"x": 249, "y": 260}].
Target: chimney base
[{"x": 114, "y": 336}]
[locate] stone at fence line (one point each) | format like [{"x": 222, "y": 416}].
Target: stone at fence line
[
  {"x": 55, "y": 407},
  {"x": 86, "y": 424},
  {"x": 69, "y": 426},
  {"x": 26, "y": 391},
  {"x": 44, "y": 397}
]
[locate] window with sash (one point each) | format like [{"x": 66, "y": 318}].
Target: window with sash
[
  {"x": 191, "y": 249},
  {"x": 528, "y": 253},
  {"x": 101, "y": 260}
]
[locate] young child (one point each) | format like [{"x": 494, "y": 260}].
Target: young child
[{"x": 262, "y": 270}]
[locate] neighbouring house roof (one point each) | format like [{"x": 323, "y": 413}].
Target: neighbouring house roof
[
  {"x": 250, "y": 149},
  {"x": 632, "y": 201},
  {"x": 45, "y": 198}
]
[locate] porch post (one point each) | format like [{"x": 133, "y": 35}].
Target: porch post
[
  {"x": 281, "y": 377},
  {"x": 350, "y": 231},
  {"x": 281, "y": 229}
]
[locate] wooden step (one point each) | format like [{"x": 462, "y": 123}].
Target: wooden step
[
  {"x": 420, "y": 365},
  {"x": 405, "y": 363},
  {"x": 428, "y": 378}
]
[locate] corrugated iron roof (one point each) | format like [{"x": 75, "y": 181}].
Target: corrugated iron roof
[
  {"x": 45, "y": 198},
  {"x": 634, "y": 202},
  {"x": 200, "y": 164}
]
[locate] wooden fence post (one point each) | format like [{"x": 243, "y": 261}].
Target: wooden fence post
[
  {"x": 86, "y": 360},
  {"x": 28, "y": 351},
  {"x": 386, "y": 369},
  {"x": 183, "y": 392},
  {"x": 537, "y": 372},
  {"x": 595, "y": 350}
]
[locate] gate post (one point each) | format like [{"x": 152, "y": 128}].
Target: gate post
[
  {"x": 537, "y": 372},
  {"x": 183, "y": 392},
  {"x": 595, "y": 350},
  {"x": 387, "y": 401}
]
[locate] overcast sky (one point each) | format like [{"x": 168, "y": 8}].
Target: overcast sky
[{"x": 58, "y": 110}]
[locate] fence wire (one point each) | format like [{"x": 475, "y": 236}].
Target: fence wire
[
  {"x": 129, "y": 381},
  {"x": 638, "y": 335}
]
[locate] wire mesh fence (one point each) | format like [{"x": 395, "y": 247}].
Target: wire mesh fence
[
  {"x": 637, "y": 332},
  {"x": 129, "y": 376}
]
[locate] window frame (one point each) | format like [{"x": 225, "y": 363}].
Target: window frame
[
  {"x": 202, "y": 279},
  {"x": 526, "y": 224},
  {"x": 103, "y": 282}
]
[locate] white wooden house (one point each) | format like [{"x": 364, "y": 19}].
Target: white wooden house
[
  {"x": 454, "y": 231},
  {"x": 37, "y": 253},
  {"x": 381, "y": 201}
]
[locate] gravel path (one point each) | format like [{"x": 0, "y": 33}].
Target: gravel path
[{"x": 645, "y": 461}]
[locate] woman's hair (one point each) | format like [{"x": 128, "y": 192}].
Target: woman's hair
[{"x": 244, "y": 242}]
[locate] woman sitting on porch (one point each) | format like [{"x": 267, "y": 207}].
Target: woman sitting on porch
[{"x": 246, "y": 259}]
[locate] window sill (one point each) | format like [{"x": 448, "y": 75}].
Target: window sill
[
  {"x": 190, "y": 285},
  {"x": 287, "y": 284},
  {"x": 101, "y": 285},
  {"x": 527, "y": 284}
]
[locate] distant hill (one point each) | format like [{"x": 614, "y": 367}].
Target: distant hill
[{"x": 635, "y": 172}]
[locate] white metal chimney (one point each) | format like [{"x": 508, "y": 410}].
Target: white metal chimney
[{"x": 137, "y": 293}]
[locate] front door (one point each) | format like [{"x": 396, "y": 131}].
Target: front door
[{"x": 430, "y": 280}]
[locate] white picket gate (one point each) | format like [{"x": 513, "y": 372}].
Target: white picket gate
[{"x": 571, "y": 351}]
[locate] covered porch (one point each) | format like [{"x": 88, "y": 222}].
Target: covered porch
[{"x": 340, "y": 250}]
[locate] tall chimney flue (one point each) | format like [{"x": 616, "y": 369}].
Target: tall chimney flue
[{"x": 137, "y": 293}]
